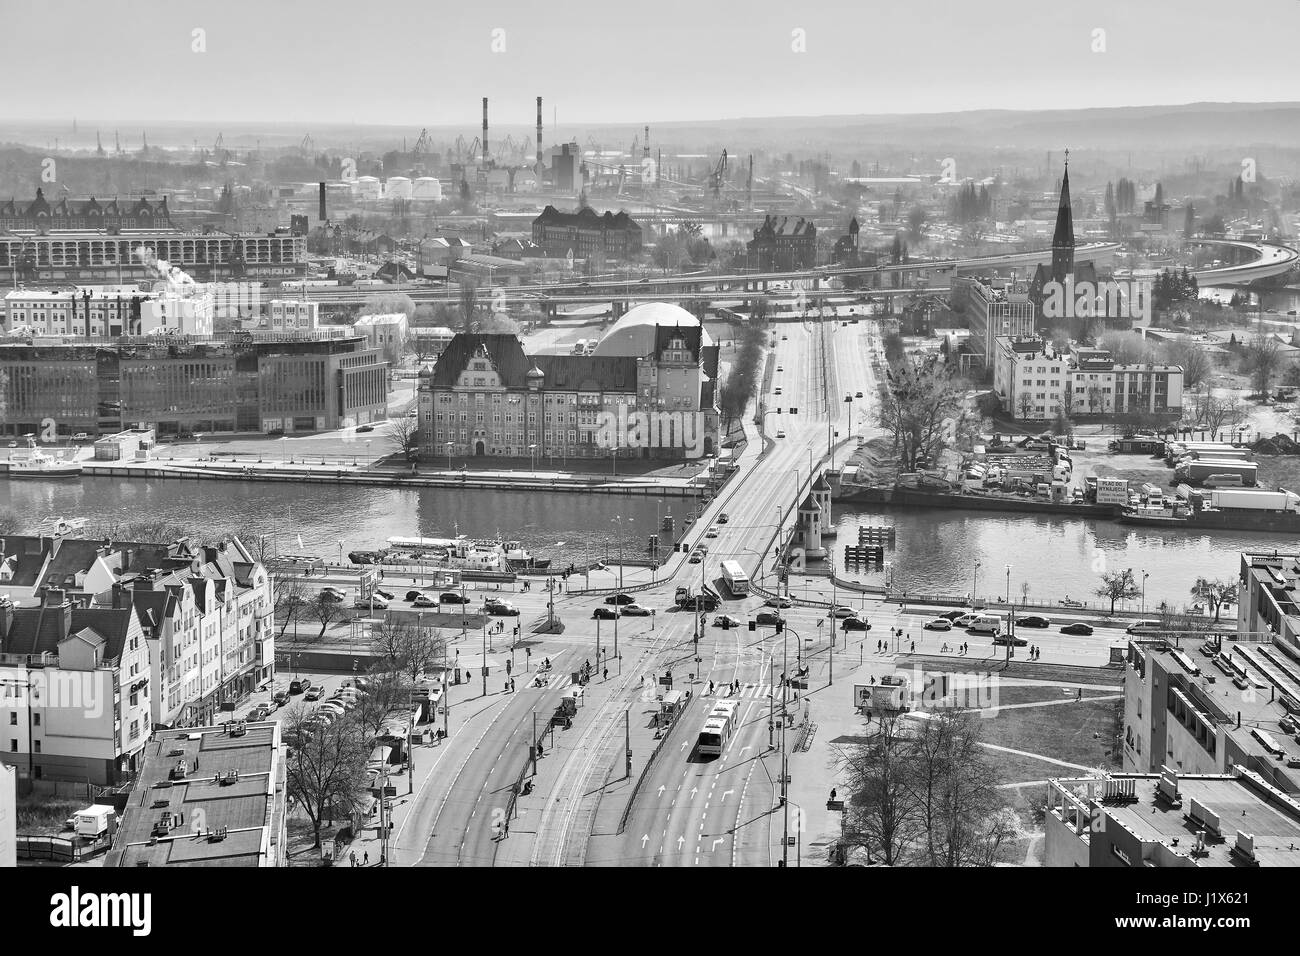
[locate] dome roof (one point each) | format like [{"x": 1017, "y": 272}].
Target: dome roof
[
  {"x": 536, "y": 372},
  {"x": 634, "y": 334}
]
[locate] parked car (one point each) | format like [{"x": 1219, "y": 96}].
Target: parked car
[
  {"x": 712, "y": 532},
  {"x": 938, "y": 624},
  {"x": 604, "y": 614},
  {"x": 300, "y": 686},
  {"x": 500, "y": 608},
  {"x": 1009, "y": 639},
  {"x": 1033, "y": 620},
  {"x": 316, "y": 693},
  {"x": 259, "y": 712},
  {"x": 843, "y": 611},
  {"x": 451, "y": 597},
  {"x": 779, "y": 602},
  {"x": 620, "y": 599},
  {"x": 412, "y": 595},
  {"x": 386, "y": 595},
  {"x": 1077, "y": 628},
  {"x": 423, "y": 600},
  {"x": 855, "y": 624},
  {"x": 280, "y": 698},
  {"x": 636, "y": 610},
  {"x": 766, "y": 618},
  {"x": 953, "y": 615},
  {"x": 1143, "y": 627},
  {"x": 364, "y": 604},
  {"x": 332, "y": 595},
  {"x": 722, "y": 518},
  {"x": 81, "y": 436},
  {"x": 365, "y": 428},
  {"x": 727, "y": 621}
]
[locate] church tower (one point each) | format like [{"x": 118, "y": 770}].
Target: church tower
[{"x": 1063, "y": 238}]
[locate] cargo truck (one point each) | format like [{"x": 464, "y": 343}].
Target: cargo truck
[
  {"x": 1220, "y": 454},
  {"x": 1196, "y": 472},
  {"x": 1254, "y": 499}
]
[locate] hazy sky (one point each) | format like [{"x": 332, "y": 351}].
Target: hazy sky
[{"x": 428, "y": 62}]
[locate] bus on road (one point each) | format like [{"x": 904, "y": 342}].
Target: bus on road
[
  {"x": 718, "y": 728},
  {"x": 736, "y": 578}
]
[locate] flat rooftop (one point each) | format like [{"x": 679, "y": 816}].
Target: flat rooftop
[{"x": 222, "y": 806}]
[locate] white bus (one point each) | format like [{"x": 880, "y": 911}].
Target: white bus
[
  {"x": 736, "y": 578},
  {"x": 718, "y": 728}
]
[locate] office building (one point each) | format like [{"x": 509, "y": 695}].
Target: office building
[
  {"x": 229, "y": 383},
  {"x": 780, "y": 245},
  {"x": 992, "y": 311},
  {"x": 287, "y": 315},
  {"x": 386, "y": 334},
  {"x": 1170, "y": 819},
  {"x": 586, "y": 232}
]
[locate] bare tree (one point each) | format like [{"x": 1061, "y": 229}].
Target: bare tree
[
  {"x": 1118, "y": 586},
  {"x": 879, "y": 815},
  {"x": 10, "y": 523},
  {"x": 921, "y": 395},
  {"x": 291, "y": 596},
  {"x": 1025, "y": 403},
  {"x": 1261, "y": 359},
  {"x": 407, "y": 649},
  {"x": 325, "y": 611},
  {"x": 1191, "y": 359},
  {"x": 404, "y": 437},
  {"x": 1214, "y": 593},
  {"x": 468, "y": 303},
  {"x": 384, "y": 693},
  {"x": 326, "y": 767}
]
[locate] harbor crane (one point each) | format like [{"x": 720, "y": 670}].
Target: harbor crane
[{"x": 718, "y": 175}]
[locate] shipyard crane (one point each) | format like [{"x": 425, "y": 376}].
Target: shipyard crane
[
  {"x": 718, "y": 175},
  {"x": 308, "y": 145}
]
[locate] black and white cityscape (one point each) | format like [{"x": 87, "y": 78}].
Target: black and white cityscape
[{"x": 674, "y": 436}]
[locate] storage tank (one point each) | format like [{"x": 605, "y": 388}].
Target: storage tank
[
  {"x": 427, "y": 187},
  {"x": 397, "y": 187},
  {"x": 367, "y": 187}
]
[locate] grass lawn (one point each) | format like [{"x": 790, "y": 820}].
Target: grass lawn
[
  {"x": 1079, "y": 733},
  {"x": 1019, "y": 694},
  {"x": 43, "y": 816}
]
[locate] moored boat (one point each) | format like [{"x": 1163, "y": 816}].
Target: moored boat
[{"x": 37, "y": 464}]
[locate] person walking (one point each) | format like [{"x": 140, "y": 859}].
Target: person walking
[
  {"x": 352, "y": 856},
  {"x": 366, "y": 859},
  {"x": 606, "y": 673}
]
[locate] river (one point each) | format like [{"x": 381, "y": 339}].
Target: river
[{"x": 933, "y": 551}]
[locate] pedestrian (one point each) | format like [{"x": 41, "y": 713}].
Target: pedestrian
[
  {"x": 353, "y": 857},
  {"x": 878, "y": 645},
  {"x": 606, "y": 673},
  {"x": 366, "y": 859},
  {"x": 914, "y": 647}
]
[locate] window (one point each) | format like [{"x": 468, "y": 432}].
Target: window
[
  {"x": 36, "y": 746},
  {"x": 13, "y": 719},
  {"x": 13, "y": 746},
  {"x": 36, "y": 720}
]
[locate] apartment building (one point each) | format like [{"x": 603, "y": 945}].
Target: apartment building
[
  {"x": 992, "y": 310},
  {"x": 289, "y": 314},
  {"x": 1030, "y": 379}
]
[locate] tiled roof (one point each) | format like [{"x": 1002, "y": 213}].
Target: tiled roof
[
  {"x": 586, "y": 218},
  {"x": 39, "y": 630}
]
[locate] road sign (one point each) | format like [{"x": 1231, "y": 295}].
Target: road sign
[
  {"x": 834, "y": 804},
  {"x": 791, "y": 841}
]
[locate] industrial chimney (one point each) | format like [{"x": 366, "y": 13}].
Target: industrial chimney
[
  {"x": 485, "y": 139},
  {"x": 539, "y": 134},
  {"x": 322, "y": 201}
]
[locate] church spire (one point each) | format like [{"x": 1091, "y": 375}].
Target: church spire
[{"x": 1063, "y": 238}]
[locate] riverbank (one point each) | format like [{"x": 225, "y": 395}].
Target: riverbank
[
  {"x": 912, "y": 497},
  {"x": 234, "y": 470}
]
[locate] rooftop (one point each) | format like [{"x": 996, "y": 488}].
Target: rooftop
[{"x": 216, "y": 788}]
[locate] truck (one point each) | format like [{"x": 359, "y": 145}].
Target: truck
[
  {"x": 1216, "y": 454},
  {"x": 1255, "y": 499},
  {"x": 1195, "y": 472},
  {"x": 1176, "y": 450},
  {"x": 708, "y": 599}
]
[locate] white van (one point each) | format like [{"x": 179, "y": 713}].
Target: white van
[
  {"x": 967, "y": 619},
  {"x": 986, "y": 624}
]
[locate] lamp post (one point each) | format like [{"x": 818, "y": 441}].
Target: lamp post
[
  {"x": 1008, "y": 584},
  {"x": 849, "y": 401},
  {"x": 532, "y": 454},
  {"x": 974, "y": 584},
  {"x": 368, "y": 459},
  {"x": 448, "y": 446},
  {"x": 1145, "y": 575}
]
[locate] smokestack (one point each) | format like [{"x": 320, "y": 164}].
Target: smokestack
[
  {"x": 322, "y": 202},
  {"x": 539, "y": 132},
  {"x": 485, "y": 141},
  {"x": 645, "y": 150}
]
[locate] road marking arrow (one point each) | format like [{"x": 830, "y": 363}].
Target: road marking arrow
[
  {"x": 661, "y": 789},
  {"x": 694, "y": 791},
  {"x": 680, "y": 841},
  {"x": 743, "y": 749},
  {"x": 715, "y": 844},
  {"x": 725, "y": 794},
  {"x": 644, "y": 840}
]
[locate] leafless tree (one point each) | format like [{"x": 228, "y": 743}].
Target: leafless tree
[
  {"x": 404, "y": 437},
  {"x": 1025, "y": 402},
  {"x": 325, "y": 611},
  {"x": 921, "y": 395},
  {"x": 1215, "y": 593},
  {"x": 1117, "y": 586},
  {"x": 1261, "y": 359},
  {"x": 407, "y": 649},
  {"x": 879, "y": 815},
  {"x": 326, "y": 767},
  {"x": 1192, "y": 359},
  {"x": 291, "y": 596}
]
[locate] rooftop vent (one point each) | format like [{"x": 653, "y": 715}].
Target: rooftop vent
[
  {"x": 1120, "y": 791},
  {"x": 1245, "y": 848},
  {"x": 1205, "y": 818},
  {"x": 217, "y": 835},
  {"x": 1167, "y": 788}
]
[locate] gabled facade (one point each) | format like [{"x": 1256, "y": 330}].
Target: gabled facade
[{"x": 586, "y": 232}]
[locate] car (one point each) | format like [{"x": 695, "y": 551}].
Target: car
[
  {"x": 363, "y": 604},
  {"x": 636, "y": 610},
  {"x": 783, "y": 338},
  {"x": 1009, "y": 639},
  {"x": 451, "y": 597},
  {"x": 722, "y": 518},
  {"x": 1033, "y": 620},
  {"x": 855, "y": 624},
  {"x": 696, "y": 557},
  {"x": 259, "y": 712},
  {"x": 423, "y": 600},
  {"x": 314, "y": 693},
  {"x": 953, "y": 615},
  {"x": 726, "y": 621},
  {"x": 412, "y": 595},
  {"x": 1143, "y": 627},
  {"x": 780, "y": 369},
  {"x": 1078, "y": 627},
  {"x": 780, "y": 434},
  {"x": 500, "y": 608},
  {"x": 337, "y": 592},
  {"x": 702, "y": 548},
  {"x": 81, "y": 436},
  {"x": 966, "y": 619},
  {"x": 938, "y": 624},
  {"x": 778, "y": 390},
  {"x": 766, "y": 618},
  {"x": 604, "y": 614},
  {"x": 365, "y": 428},
  {"x": 712, "y": 532},
  {"x": 843, "y": 611},
  {"x": 300, "y": 685},
  {"x": 779, "y": 602},
  {"x": 386, "y": 595},
  {"x": 857, "y": 394},
  {"x": 620, "y": 599},
  {"x": 280, "y": 698}
]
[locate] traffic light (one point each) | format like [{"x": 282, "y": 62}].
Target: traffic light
[
  {"x": 753, "y": 626},
  {"x": 794, "y": 411},
  {"x": 780, "y": 627}
]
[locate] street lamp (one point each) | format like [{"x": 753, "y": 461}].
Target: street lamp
[
  {"x": 532, "y": 455},
  {"x": 849, "y": 401},
  {"x": 1008, "y": 584},
  {"x": 1145, "y": 575},
  {"x": 974, "y": 584},
  {"x": 368, "y": 452},
  {"x": 449, "y": 446}
]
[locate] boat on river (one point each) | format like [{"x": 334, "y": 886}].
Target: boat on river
[
  {"x": 465, "y": 553},
  {"x": 1153, "y": 517},
  {"x": 37, "y": 464}
]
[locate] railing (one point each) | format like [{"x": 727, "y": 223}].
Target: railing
[{"x": 654, "y": 755}]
